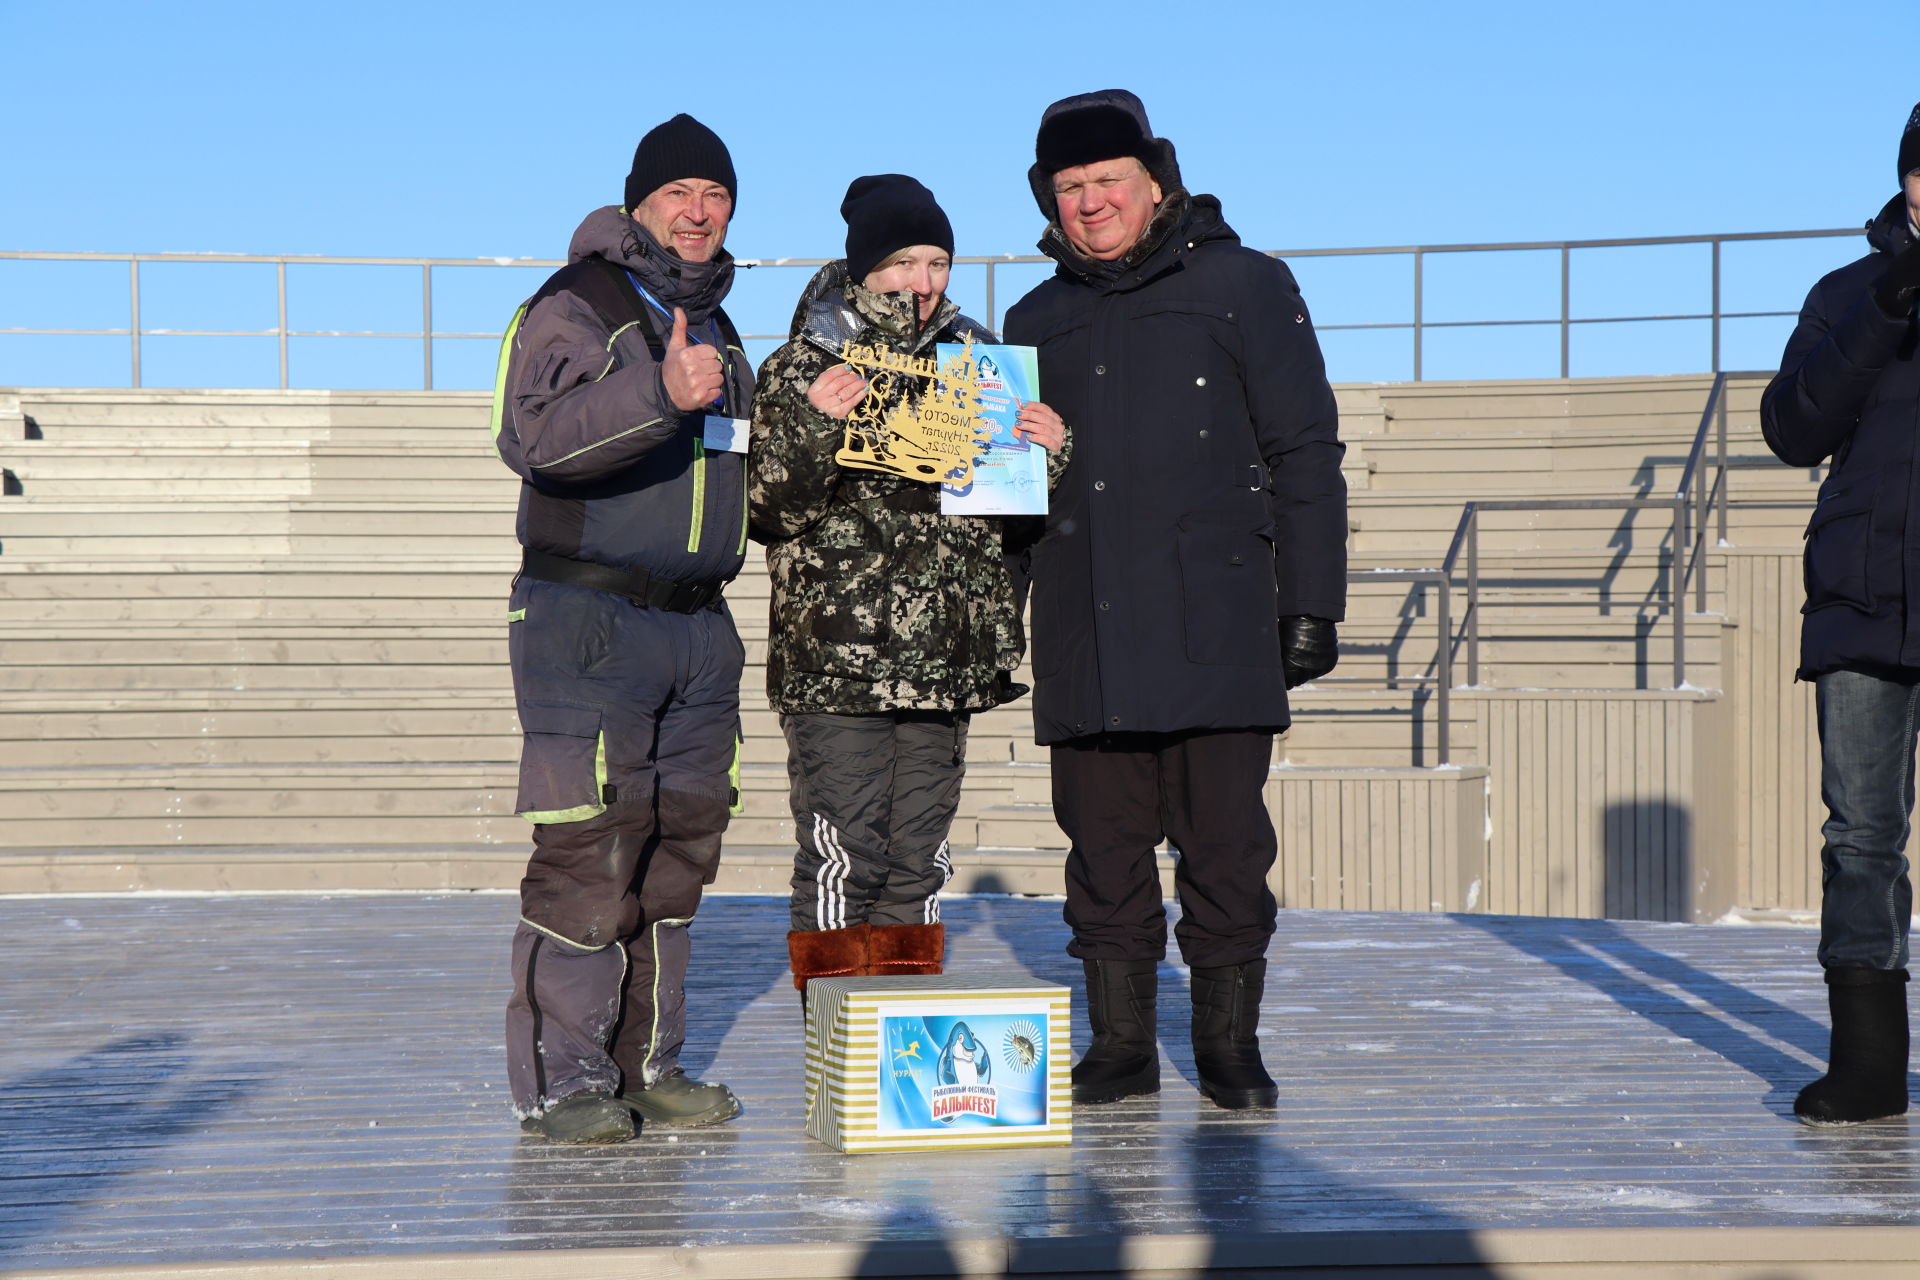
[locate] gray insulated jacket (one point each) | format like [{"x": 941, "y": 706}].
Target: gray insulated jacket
[{"x": 610, "y": 471}]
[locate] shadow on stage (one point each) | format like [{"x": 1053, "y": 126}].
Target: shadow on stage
[
  {"x": 1142, "y": 1178},
  {"x": 69, "y": 1131},
  {"x": 1649, "y": 874}
]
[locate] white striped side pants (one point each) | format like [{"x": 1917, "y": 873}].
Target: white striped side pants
[{"x": 873, "y": 801}]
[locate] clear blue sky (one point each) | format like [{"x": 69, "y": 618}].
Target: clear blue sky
[{"x": 482, "y": 128}]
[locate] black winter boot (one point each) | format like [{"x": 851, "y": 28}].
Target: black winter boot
[
  {"x": 1124, "y": 1059},
  {"x": 1867, "y": 1055},
  {"x": 1226, "y": 1052}
]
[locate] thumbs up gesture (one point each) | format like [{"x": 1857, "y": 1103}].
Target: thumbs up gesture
[{"x": 692, "y": 371}]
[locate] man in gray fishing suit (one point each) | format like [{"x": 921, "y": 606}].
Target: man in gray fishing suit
[{"x": 619, "y": 386}]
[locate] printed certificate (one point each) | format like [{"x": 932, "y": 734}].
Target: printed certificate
[{"x": 1011, "y": 480}]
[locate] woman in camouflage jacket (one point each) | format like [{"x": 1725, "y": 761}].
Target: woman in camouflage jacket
[{"x": 890, "y": 621}]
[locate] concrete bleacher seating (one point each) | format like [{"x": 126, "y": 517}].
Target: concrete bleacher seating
[{"x": 273, "y": 620}]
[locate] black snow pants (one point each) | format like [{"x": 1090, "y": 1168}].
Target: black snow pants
[
  {"x": 1117, "y": 795},
  {"x": 628, "y": 765},
  {"x": 873, "y": 800}
]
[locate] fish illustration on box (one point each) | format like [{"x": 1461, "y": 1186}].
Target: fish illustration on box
[{"x": 963, "y": 1061}]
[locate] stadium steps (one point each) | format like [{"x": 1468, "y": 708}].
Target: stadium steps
[
  {"x": 363, "y": 803},
  {"x": 1672, "y": 402},
  {"x": 308, "y": 648}
]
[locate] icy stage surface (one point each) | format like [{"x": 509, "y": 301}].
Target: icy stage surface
[{"x": 271, "y": 1079}]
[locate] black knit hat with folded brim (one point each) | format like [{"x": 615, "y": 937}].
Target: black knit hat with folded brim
[
  {"x": 1910, "y": 146},
  {"x": 678, "y": 149},
  {"x": 888, "y": 212},
  {"x": 1090, "y": 127}
]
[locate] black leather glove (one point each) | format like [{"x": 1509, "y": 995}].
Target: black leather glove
[
  {"x": 1899, "y": 289},
  {"x": 1309, "y": 648}
]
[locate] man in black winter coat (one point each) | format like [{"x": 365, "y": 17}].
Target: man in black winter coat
[
  {"x": 1849, "y": 390},
  {"x": 1192, "y": 570}
]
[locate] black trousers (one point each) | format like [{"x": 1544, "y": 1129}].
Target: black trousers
[
  {"x": 873, "y": 802},
  {"x": 1118, "y": 795}
]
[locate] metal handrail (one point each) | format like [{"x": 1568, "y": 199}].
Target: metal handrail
[
  {"x": 1418, "y": 326},
  {"x": 1690, "y": 505},
  {"x": 1442, "y": 679}
]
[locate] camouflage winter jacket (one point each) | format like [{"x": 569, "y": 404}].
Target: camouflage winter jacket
[{"x": 879, "y": 602}]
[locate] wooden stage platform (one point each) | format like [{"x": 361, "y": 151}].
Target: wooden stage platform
[{"x": 278, "y": 1086}]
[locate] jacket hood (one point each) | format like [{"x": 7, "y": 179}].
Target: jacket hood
[
  {"x": 833, "y": 311},
  {"x": 1890, "y": 231},
  {"x": 1181, "y": 224},
  {"x": 696, "y": 287}
]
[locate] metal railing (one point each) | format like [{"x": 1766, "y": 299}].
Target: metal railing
[
  {"x": 1418, "y": 326},
  {"x": 1688, "y": 507},
  {"x": 1565, "y": 320},
  {"x": 135, "y": 331},
  {"x": 1441, "y": 580},
  {"x": 1695, "y": 502}
]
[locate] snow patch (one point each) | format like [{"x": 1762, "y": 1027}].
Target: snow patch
[
  {"x": 1833, "y": 1205},
  {"x": 1363, "y": 944},
  {"x": 1443, "y": 1006},
  {"x": 1627, "y": 1197}
]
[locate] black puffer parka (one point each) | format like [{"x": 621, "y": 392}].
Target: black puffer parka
[
  {"x": 1849, "y": 389},
  {"x": 1203, "y": 499}
]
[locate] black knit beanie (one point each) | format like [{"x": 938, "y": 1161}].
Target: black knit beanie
[
  {"x": 680, "y": 148},
  {"x": 887, "y": 212},
  {"x": 1090, "y": 127},
  {"x": 1910, "y": 146}
]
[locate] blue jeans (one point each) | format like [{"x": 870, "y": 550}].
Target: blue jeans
[{"x": 1867, "y": 728}]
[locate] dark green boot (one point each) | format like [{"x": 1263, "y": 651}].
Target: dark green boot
[
  {"x": 590, "y": 1118},
  {"x": 676, "y": 1100}
]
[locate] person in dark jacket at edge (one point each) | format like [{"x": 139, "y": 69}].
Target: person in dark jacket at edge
[
  {"x": 1849, "y": 389},
  {"x": 1192, "y": 569},
  {"x": 891, "y": 622},
  {"x": 620, "y": 391}
]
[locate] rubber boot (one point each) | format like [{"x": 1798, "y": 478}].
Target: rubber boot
[
  {"x": 906, "y": 948},
  {"x": 1867, "y": 1054},
  {"x": 585, "y": 1118},
  {"x": 1124, "y": 1059},
  {"x": 678, "y": 1101},
  {"x": 1226, "y": 1050}
]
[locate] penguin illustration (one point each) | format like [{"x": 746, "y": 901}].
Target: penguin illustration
[{"x": 964, "y": 1060}]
